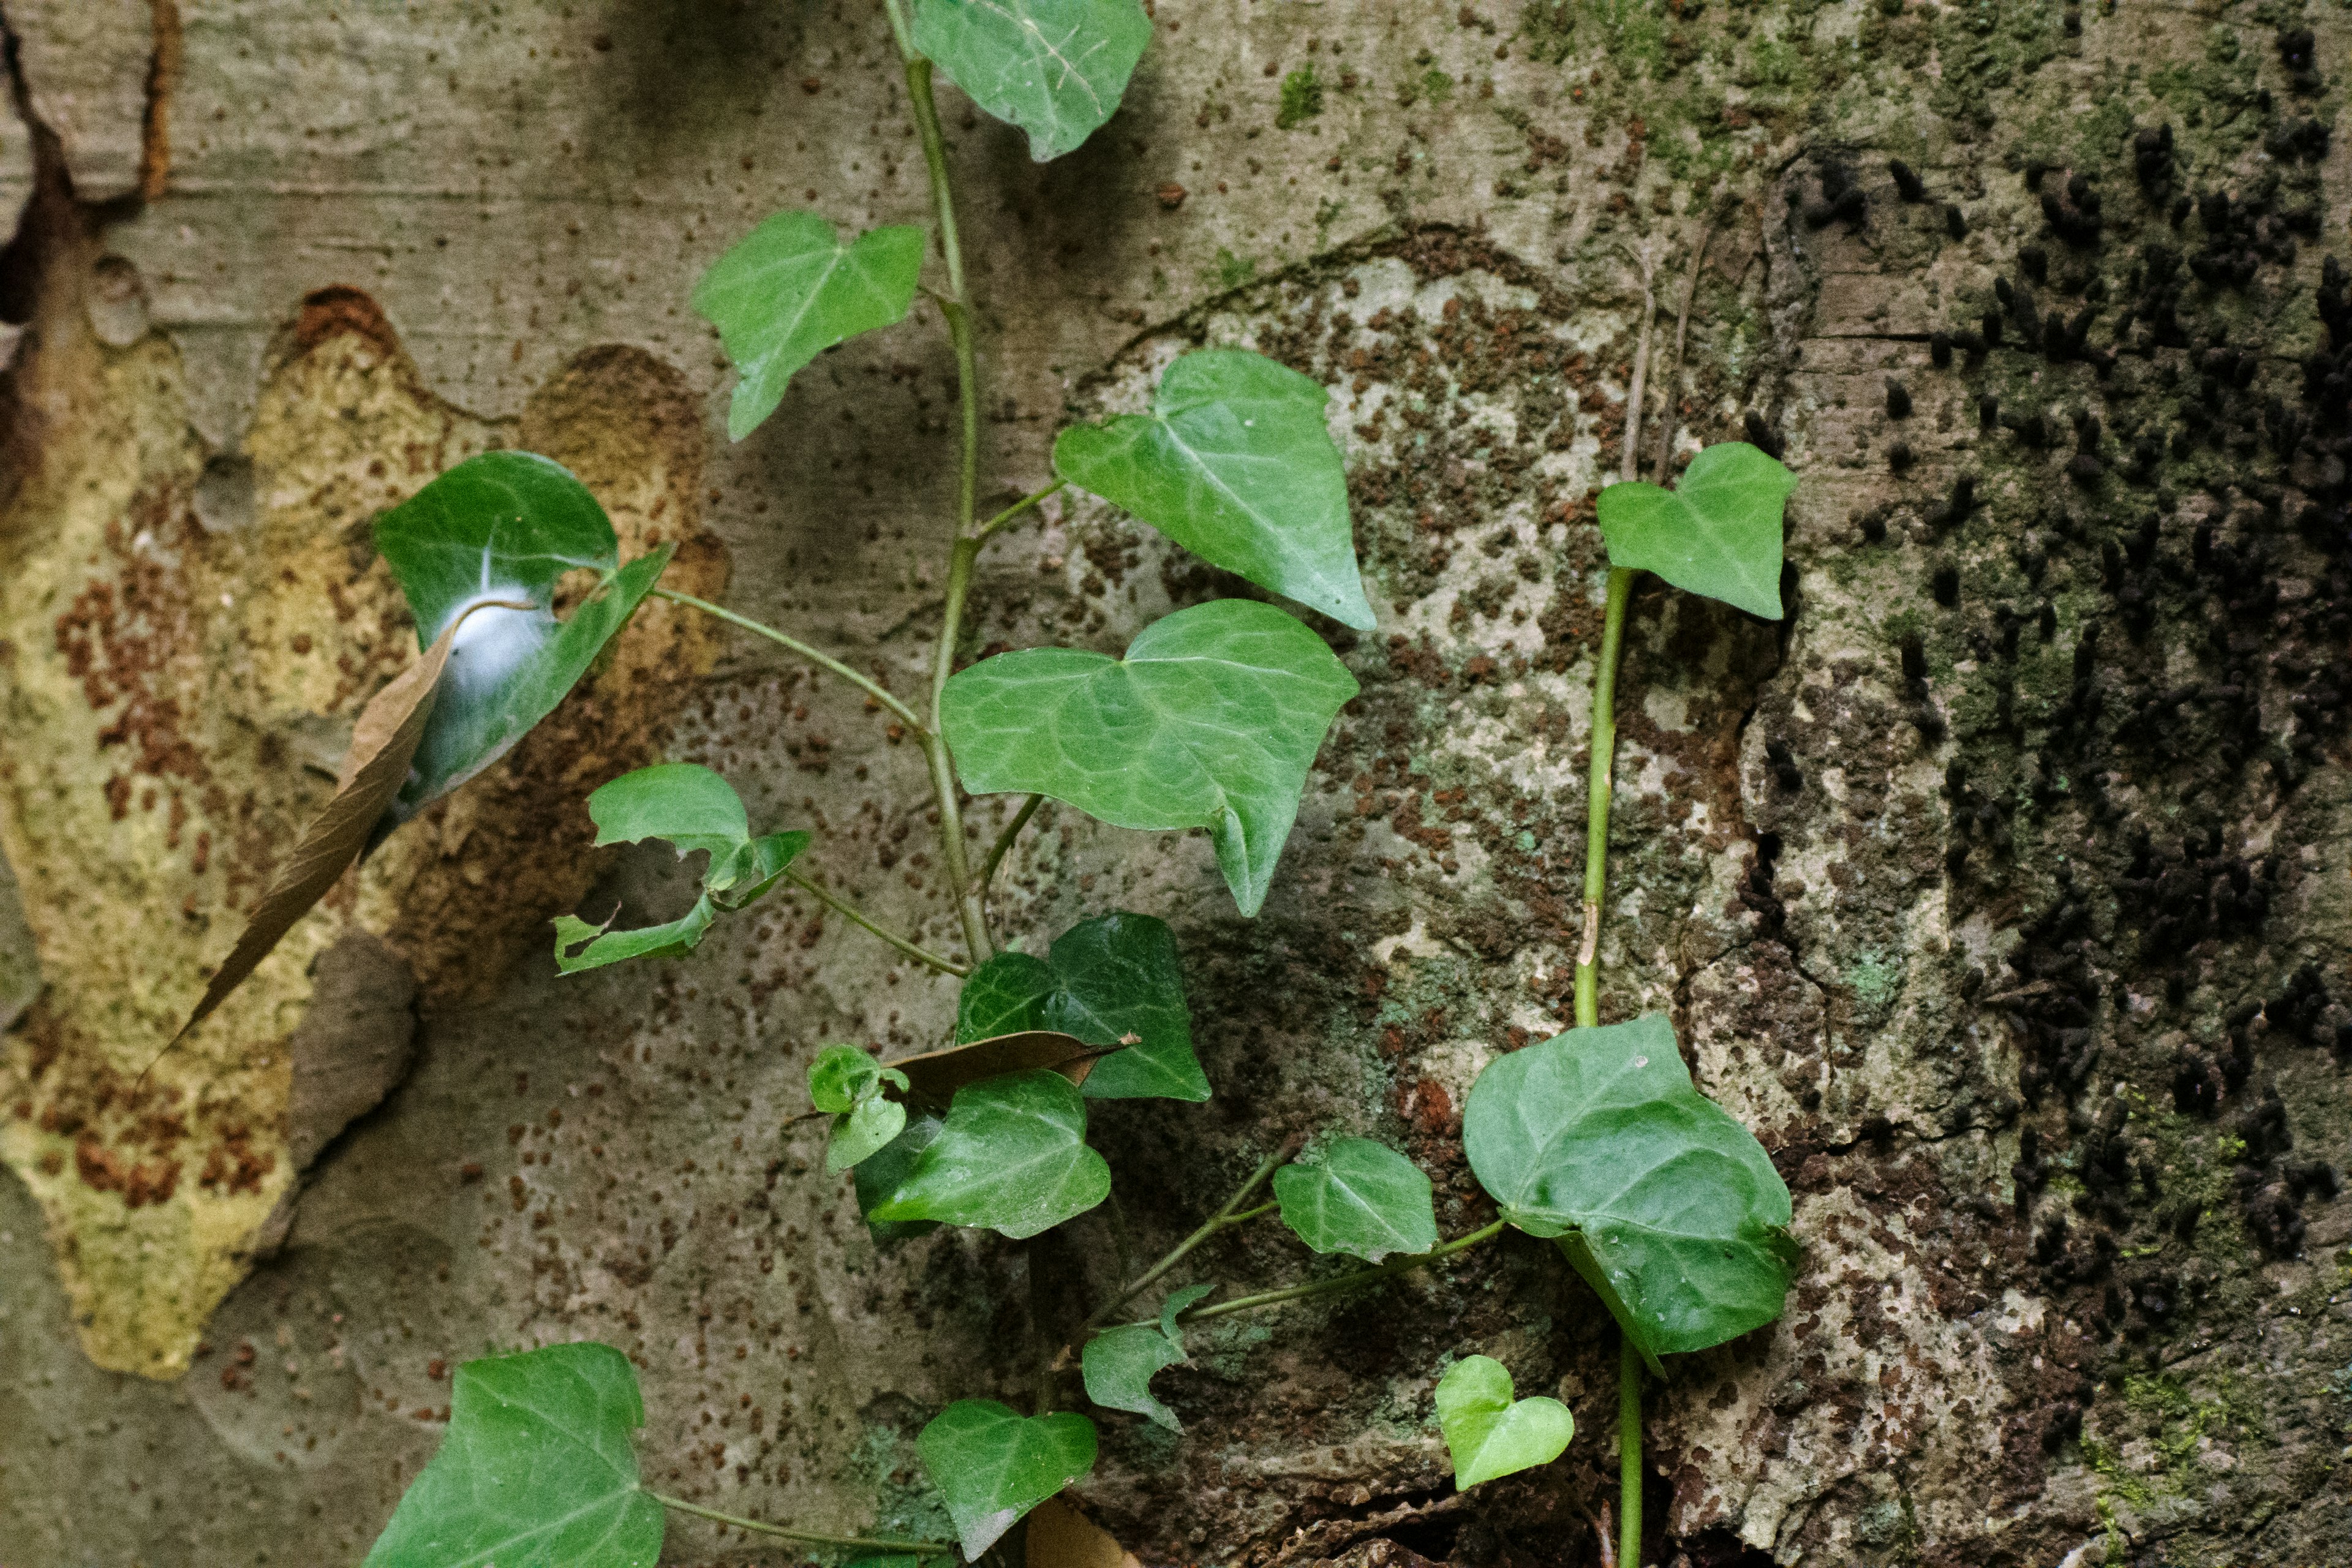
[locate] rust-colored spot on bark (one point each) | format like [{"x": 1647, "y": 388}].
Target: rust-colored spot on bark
[{"x": 340, "y": 308}]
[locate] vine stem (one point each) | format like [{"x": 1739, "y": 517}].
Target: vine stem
[
  {"x": 1013, "y": 512},
  {"x": 852, "y": 913},
  {"x": 1223, "y": 1218},
  {"x": 854, "y": 1542},
  {"x": 1629, "y": 1451},
  {"x": 814, "y": 656},
  {"x": 1344, "y": 1282},
  {"x": 1601, "y": 783}
]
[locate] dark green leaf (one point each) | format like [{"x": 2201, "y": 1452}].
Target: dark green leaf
[
  {"x": 1119, "y": 1365},
  {"x": 580, "y": 946},
  {"x": 841, "y": 1077},
  {"x": 1235, "y": 463},
  {"x": 1717, "y": 532},
  {"x": 1108, "y": 979},
  {"x": 1360, "y": 1198},
  {"x": 1489, "y": 1434},
  {"x": 863, "y": 1133},
  {"x": 1678, "y": 1218},
  {"x": 1211, "y": 721},
  {"x": 1011, "y": 1157},
  {"x": 536, "y": 1469},
  {"x": 1054, "y": 67},
  {"x": 992, "y": 1466},
  {"x": 877, "y": 1179},
  {"x": 499, "y": 530},
  {"x": 789, "y": 290},
  {"x": 683, "y": 803}
]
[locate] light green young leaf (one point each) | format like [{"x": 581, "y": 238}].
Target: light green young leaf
[
  {"x": 789, "y": 290},
  {"x": 1056, "y": 69},
  {"x": 1179, "y": 1300},
  {"x": 581, "y": 946},
  {"x": 753, "y": 869},
  {"x": 1011, "y": 1157},
  {"x": 1487, "y": 1433},
  {"x": 684, "y": 802},
  {"x": 992, "y": 1466},
  {"x": 536, "y": 1469},
  {"x": 1234, "y": 463},
  {"x": 500, "y": 529},
  {"x": 1107, "y": 980},
  {"x": 1666, "y": 1205},
  {"x": 1363, "y": 1198},
  {"x": 1211, "y": 721},
  {"x": 1717, "y": 532},
  {"x": 863, "y": 1133},
  {"x": 1119, "y": 1365},
  {"x": 841, "y": 1077}
]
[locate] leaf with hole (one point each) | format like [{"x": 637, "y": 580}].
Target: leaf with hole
[
  {"x": 1211, "y": 721},
  {"x": 580, "y": 946},
  {"x": 1717, "y": 532},
  {"x": 497, "y": 531},
  {"x": 1107, "y": 980},
  {"x": 789, "y": 290},
  {"x": 1011, "y": 1157},
  {"x": 1359, "y": 1197},
  {"x": 1488, "y": 1432},
  {"x": 1664, "y": 1203},
  {"x": 992, "y": 1466},
  {"x": 1119, "y": 1365},
  {"x": 536, "y": 1467},
  {"x": 1235, "y": 463},
  {"x": 1056, "y": 69}
]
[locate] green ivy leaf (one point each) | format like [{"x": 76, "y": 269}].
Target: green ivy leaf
[
  {"x": 536, "y": 1469},
  {"x": 755, "y": 869},
  {"x": 841, "y": 1077},
  {"x": 1666, "y": 1204},
  {"x": 581, "y": 946},
  {"x": 863, "y": 1133},
  {"x": 1056, "y": 69},
  {"x": 1211, "y": 721},
  {"x": 1717, "y": 532},
  {"x": 684, "y": 802},
  {"x": 1179, "y": 1302},
  {"x": 878, "y": 1177},
  {"x": 1119, "y": 1365},
  {"x": 992, "y": 1466},
  {"x": 498, "y": 529},
  {"x": 789, "y": 290},
  {"x": 1487, "y": 1433},
  {"x": 1235, "y": 463},
  {"x": 1108, "y": 979},
  {"x": 1011, "y": 1157},
  {"x": 1363, "y": 1198}
]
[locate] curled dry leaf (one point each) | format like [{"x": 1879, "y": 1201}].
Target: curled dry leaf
[
  {"x": 933, "y": 1078},
  {"x": 382, "y": 743}
]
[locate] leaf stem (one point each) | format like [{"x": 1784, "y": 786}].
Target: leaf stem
[
  {"x": 1005, "y": 841},
  {"x": 1344, "y": 1282},
  {"x": 851, "y": 912},
  {"x": 1600, "y": 786},
  {"x": 825, "y": 660},
  {"x": 980, "y": 535},
  {"x": 1629, "y": 1450},
  {"x": 854, "y": 1542},
  {"x": 1221, "y": 1220}
]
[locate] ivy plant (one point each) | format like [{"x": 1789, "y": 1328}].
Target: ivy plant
[{"x": 1210, "y": 719}]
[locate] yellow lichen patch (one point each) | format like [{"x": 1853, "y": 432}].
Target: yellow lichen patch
[{"x": 185, "y": 649}]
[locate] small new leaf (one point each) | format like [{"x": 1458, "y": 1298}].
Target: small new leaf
[
  {"x": 841, "y": 1077},
  {"x": 1363, "y": 1198},
  {"x": 536, "y": 1467},
  {"x": 1235, "y": 463},
  {"x": 1489, "y": 1434},
  {"x": 1107, "y": 982},
  {"x": 1179, "y": 1302},
  {"x": 992, "y": 1466},
  {"x": 1011, "y": 1157},
  {"x": 789, "y": 290},
  {"x": 1119, "y": 1365},
  {"x": 1056, "y": 69},
  {"x": 1211, "y": 721},
  {"x": 1717, "y": 532},
  {"x": 863, "y": 1133}
]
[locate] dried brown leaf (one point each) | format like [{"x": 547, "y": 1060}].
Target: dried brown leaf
[{"x": 933, "y": 1078}]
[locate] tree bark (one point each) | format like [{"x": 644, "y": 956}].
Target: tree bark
[{"x": 2003, "y": 887}]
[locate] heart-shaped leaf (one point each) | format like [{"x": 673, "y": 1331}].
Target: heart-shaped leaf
[
  {"x": 1012, "y": 1156},
  {"x": 1488, "y": 1432},
  {"x": 499, "y": 530},
  {"x": 789, "y": 290},
  {"x": 992, "y": 1466},
  {"x": 1119, "y": 1365},
  {"x": 1054, "y": 67},
  {"x": 536, "y": 1467},
  {"x": 1717, "y": 532},
  {"x": 878, "y": 1177},
  {"x": 1235, "y": 463},
  {"x": 1678, "y": 1220},
  {"x": 1107, "y": 980},
  {"x": 863, "y": 1133},
  {"x": 841, "y": 1077},
  {"x": 1359, "y": 1197},
  {"x": 1211, "y": 721}
]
